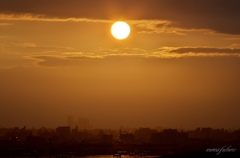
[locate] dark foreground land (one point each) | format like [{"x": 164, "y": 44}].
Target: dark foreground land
[
  {"x": 192, "y": 148},
  {"x": 205, "y": 142}
]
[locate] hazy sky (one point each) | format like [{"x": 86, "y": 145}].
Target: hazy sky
[{"x": 180, "y": 66}]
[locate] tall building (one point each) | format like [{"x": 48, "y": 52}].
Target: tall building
[
  {"x": 70, "y": 122},
  {"x": 83, "y": 123}
]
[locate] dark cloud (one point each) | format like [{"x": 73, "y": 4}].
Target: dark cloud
[
  {"x": 222, "y": 16},
  {"x": 205, "y": 50}
]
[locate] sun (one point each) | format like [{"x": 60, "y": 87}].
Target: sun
[{"x": 120, "y": 30}]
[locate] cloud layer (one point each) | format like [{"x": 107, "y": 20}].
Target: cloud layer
[
  {"x": 221, "y": 16},
  {"x": 129, "y": 56}
]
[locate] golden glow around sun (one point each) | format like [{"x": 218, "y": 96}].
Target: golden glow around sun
[{"x": 120, "y": 30}]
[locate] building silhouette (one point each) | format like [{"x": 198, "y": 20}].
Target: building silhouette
[
  {"x": 82, "y": 123},
  {"x": 70, "y": 122}
]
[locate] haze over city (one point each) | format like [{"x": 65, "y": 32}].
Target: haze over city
[{"x": 178, "y": 67}]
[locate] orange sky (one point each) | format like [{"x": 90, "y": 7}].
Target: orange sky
[{"x": 180, "y": 66}]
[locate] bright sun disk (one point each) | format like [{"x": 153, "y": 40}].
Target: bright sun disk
[{"x": 120, "y": 30}]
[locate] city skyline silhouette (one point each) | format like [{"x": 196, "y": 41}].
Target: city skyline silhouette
[{"x": 64, "y": 141}]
